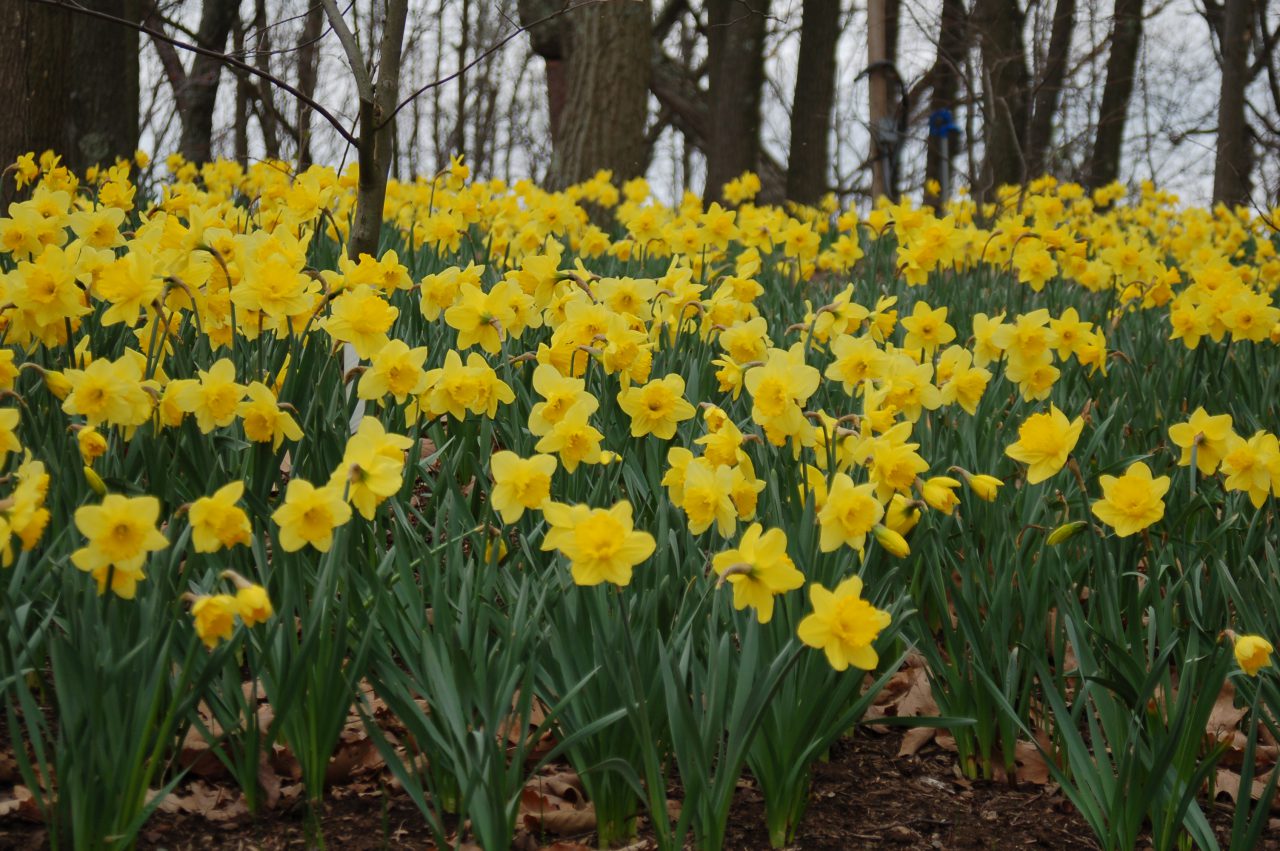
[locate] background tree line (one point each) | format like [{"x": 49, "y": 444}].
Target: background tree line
[{"x": 813, "y": 95}]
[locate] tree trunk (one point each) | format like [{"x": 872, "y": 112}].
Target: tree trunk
[
  {"x": 808, "y": 160},
  {"x": 548, "y": 41},
  {"x": 1049, "y": 90},
  {"x": 953, "y": 43},
  {"x": 735, "y": 59},
  {"x": 102, "y": 107},
  {"x": 35, "y": 50},
  {"x": 199, "y": 89},
  {"x": 308, "y": 62},
  {"x": 1234, "y": 162},
  {"x": 999, "y": 25},
  {"x": 608, "y": 93},
  {"x": 1126, "y": 36},
  {"x": 377, "y": 134}
]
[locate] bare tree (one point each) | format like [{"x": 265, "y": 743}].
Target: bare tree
[
  {"x": 809, "y": 158},
  {"x": 308, "y": 58},
  {"x": 608, "y": 86},
  {"x": 1233, "y": 163},
  {"x": 735, "y": 58},
  {"x": 379, "y": 102},
  {"x": 945, "y": 78},
  {"x": 1126, "y": 38},
  {"x": 1049, "y": 89},
  {"x": 102, "y": 106},
  {"x": 35, "y": 48},
  {"x": 999, "y": 27},
  {"x": 195, "y": 90}
]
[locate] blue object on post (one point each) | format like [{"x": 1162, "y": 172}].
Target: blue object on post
[{"x": 941, "y": 123}]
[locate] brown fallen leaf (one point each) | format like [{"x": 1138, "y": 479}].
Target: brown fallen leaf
[
  {"x": 565, "y": 822},
  {"x": 214, "y": 803},
  {"x": 915, "y": 739},
  {"x": 21, "y": 805}
]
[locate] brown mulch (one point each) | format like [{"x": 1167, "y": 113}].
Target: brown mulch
[{"x": 864, "y": 796}]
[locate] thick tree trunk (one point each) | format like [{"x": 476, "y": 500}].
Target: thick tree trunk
[
  {"x": 809, "y": 158},
  {"x": 35, "y": 49},
  {"x": 1049, "y": 90},
  {"x": 1126, "y": 37},
  {"x": 547, "y": 38},
  {"x": 198, "y": 92},
  {"x": 1234, "y": 162},
  {"x": 735, "y": 58},
  {"x": 602, "y": 126},
  {"x": 102, "y": 107},
  {"x": 998, "y": 25},
  {"x": 953, "y": 43}
]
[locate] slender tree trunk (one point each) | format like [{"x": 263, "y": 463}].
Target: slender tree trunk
[
  {"x": 1049, "y": 90},
  {"x": 198, "y": 92},
  {"x": 953, "y": 44},
  {"x": 308, "y": 62},
  {"x": 377, "y": 135},
  {"x": 1126, "y": 37},
  {"x": 35, "y": 48},
  {"x": 998, "y": 25},
  {"x": 102, "y": 108},
  {"x": 808, "y": 161},
  {"x": 264, "y": 91},
  {"x": 240, "y": 118},
  {"x": 608, "y": 93},
  {"x": 1233, "y": 164},
  {"x": 735, "y": 57}
]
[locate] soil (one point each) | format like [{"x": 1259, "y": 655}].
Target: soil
[{"x": 865, "y": 796}]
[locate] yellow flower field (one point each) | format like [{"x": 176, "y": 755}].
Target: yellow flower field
[{"x": 679, "y": 487}]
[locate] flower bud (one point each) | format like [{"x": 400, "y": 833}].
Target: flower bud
[
  {"x": 95, "y": 481},
  {"x": 92, "y": 444},
  {"x": 983, "y": 486},
  {"x": 902, "y": 514},
  {"x": 57, "y": 383},
  {"x": 1066, "y": 531},
  {"x": 1253, "y": 653},
  {"x": 940, "y": 493},
  {"x": 893, "y": 543}
]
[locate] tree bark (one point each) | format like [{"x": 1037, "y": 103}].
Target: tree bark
[
  {"x": 735, "y": 57},
  {"x": 377, "y": 135},
  {"x": 1233, "y": 164},
  {"x": 35, "y": 50},
  {"x": 1126, "y": 37},
  {"x": 953, "y": 43},
  {"x": 999, "y": 25},
  {"x": 1049, "y": 91},
  {"x": 198, "y": 92},
  {"x": 608, "y": 93},
  {"x": 815, "y": 91},
  {"x": 308, "y": 62},
  {"x": 102, "y": 107},
  {"x": 548, "y": 41}
]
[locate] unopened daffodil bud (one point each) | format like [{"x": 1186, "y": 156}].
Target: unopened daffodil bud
[
  {"x": 1253, "y": 653},
  {"x": 92, "y": 444},
  {"x": 902, "y": 514},
  {"x": 1066, "y": 531},
  {"x": 893, "y": 543},
  {"x": 940, "y": 493},
  {"x": 95, "y": 482}
]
